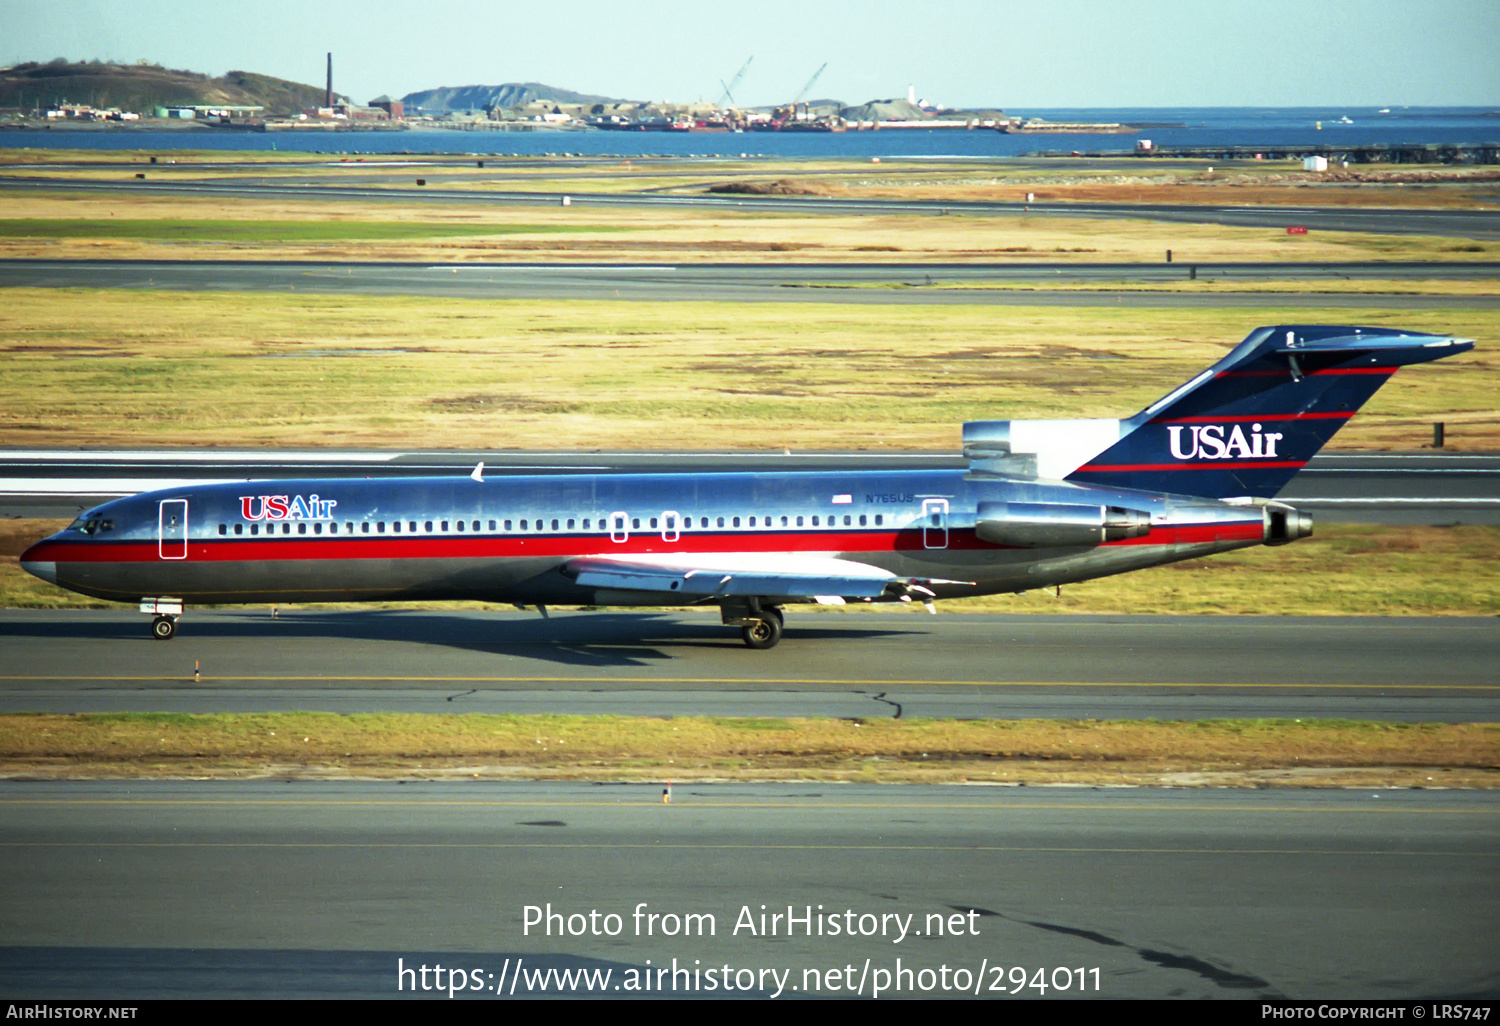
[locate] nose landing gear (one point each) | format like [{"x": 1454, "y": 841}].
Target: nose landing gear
[{"x": 165, "y": 612}]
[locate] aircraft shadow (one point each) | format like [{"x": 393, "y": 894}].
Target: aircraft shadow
[{"x": 593, "y": 639}]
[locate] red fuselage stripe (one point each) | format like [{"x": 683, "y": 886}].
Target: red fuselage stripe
[{"x": 569, "y": 546}]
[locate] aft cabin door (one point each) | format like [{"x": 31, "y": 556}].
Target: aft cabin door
[
  {"x": 935, "y": 523},
  {"x": 172, "y": 529}
]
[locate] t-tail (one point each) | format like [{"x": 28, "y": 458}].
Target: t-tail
[{"x": 1243, "y": 427}]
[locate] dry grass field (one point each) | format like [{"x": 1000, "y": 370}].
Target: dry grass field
[
  {"x": 125, "y": 368},
  {"x": 682, "y": 749}
]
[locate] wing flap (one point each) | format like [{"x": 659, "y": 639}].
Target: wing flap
[{"x": 708, "y": 576}]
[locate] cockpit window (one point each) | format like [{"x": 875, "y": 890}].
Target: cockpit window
[{"x": 89, "y": 525}]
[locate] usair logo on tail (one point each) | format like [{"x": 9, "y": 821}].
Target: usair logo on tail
[{"x": 1209, "y": 442}]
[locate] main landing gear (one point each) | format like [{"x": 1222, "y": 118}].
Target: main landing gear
[
  {"x": 759, "y": 625},
  {"x": 165, "y": 612}
]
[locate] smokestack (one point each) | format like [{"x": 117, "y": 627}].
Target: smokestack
[{"x": 328, "y": 96}]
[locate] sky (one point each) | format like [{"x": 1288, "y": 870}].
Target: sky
[{"x": 972, "y": 53}]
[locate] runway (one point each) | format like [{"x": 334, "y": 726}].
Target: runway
[
  {"x": 126, "y": 891},
  {"x": 1393, "y": 488},
  {"x": 880, "y": 283},
  {"x": 873, "y": 665}
]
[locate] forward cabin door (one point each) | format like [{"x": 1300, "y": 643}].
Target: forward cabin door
[{"x": 171, "y": 536}]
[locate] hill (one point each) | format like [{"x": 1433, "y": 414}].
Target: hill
[
  {"x": 144, "y": 87},
  {"x": 482, "y": 97}
]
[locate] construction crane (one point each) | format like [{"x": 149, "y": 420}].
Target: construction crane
[
  {"x": 789, "y": 112},
  {"x": 810, "y": 83},
  {"x": 734, "y": 83}
]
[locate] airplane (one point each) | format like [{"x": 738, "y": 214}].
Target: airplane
[{"x": 1041, "y": 504}]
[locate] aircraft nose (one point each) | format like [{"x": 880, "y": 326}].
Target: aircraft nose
[{"x": 34, "y": 563}]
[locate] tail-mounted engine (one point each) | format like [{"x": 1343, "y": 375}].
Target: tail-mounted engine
[
  {"x": 1036, "y": 525},
  {"x": 1285, "y": 524}
]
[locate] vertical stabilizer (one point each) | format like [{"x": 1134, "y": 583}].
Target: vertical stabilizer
[{"x": 1246, "y": 425}]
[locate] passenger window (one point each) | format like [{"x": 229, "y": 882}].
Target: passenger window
[
  {"x": 783, "y": 521},
  {"x": 317, "y": 528},
  {"x": 458, "y": 524},
  {"x": 752, "y": 521},
  {"x": 239, "y": 528},
  {"x": 492, "y": 525},
  {"x": 554, "y": 525},
  {"x": 224, "y": 528},
  {"x": 736, "y": 522},
  {"x": 255, "y": 529},
  {"x": 396, "y": 527},
  {"x": 380, "y": 527},
  {"x": 507, "y": 525},
  {"x": 286, "y": 528},
  {"x": 721, "y": 521},
  {"x": 862, "y": 520},
  {"x": 635, "y": 523},
  {"x": 571, "y": 522},
  {"x": 879, "y": 519},
  {"x": 799, "y": 521},
  {"x": 815, "y": 521}
]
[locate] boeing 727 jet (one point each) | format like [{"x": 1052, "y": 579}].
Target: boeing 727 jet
[{"x": 1042, "y": 503}]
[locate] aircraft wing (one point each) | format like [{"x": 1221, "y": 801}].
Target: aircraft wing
[{"x": 704, "y": 576}]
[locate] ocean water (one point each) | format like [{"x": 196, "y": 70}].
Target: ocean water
[{"x": 1332, "y": 127}]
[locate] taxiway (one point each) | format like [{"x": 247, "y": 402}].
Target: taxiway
[
  {"x": 678, "y": 663},
  {"x": 125, "y": 891}
]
